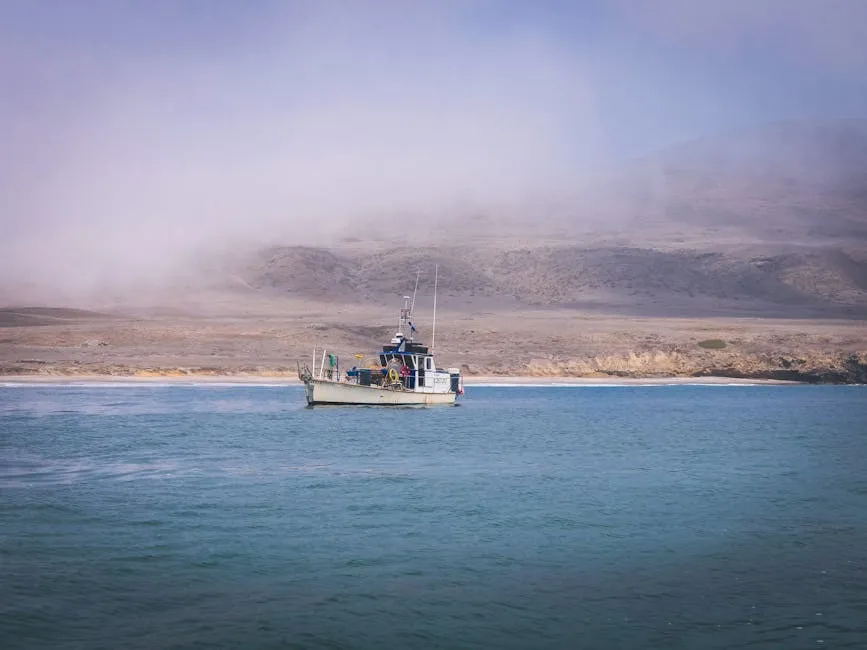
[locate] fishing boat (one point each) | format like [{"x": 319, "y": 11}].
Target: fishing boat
[{"x": 404, "y": 373}]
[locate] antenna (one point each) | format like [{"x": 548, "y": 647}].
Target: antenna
[
  {"x": 402, "y": 316},
  {"x": 412, "y": 306},
  {"x": 433, "y": 337}
]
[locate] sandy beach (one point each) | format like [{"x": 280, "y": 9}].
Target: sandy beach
[{"x": 242, "y": 380}]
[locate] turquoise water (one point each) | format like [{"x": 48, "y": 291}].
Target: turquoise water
[{"x": 590, "y": 517}]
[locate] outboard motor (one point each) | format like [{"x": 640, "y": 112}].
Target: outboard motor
[{"x": 455, "y": 377}]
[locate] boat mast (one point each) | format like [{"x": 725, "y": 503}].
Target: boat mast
[
  {"x": 412, "y": 304},
  {"x": 414, "y": 291},
  {"x": 433, "y": 337},
  {"x": 403, "y": 319},
  {"x": 406, "y": 312}
]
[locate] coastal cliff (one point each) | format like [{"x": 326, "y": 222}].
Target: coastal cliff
[{"x": 811, "y": 368}]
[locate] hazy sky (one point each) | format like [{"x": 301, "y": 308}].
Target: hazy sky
[{"x": 132, "y": 132}]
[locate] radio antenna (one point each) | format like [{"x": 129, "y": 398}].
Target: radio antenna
[
  {"x": 412, "y": 306},
  {"x": 433, "y": 337}
]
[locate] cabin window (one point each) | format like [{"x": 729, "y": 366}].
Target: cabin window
[
  {"x": 427, "y": 363},
  {"x": 382, "y": 359}
]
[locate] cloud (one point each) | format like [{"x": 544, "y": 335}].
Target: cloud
[
  {"x": 138, "y": 134},
  {"x": 129, "y": 146}
]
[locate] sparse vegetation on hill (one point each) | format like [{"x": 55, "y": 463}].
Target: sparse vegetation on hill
[
  {"x": 767, "y": 222},
  {"x": 632, "y": 280}
]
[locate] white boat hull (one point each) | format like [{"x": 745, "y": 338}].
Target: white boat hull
[{"x": 320, "y": 391}]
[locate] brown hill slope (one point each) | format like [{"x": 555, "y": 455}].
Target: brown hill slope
[
  {"x": 45, "y": 316},
  {"x": 806, "y": 282},
  {"x": 768, "y": 221}
]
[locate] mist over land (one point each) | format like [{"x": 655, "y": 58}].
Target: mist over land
[{"x": 604, "y": 186}]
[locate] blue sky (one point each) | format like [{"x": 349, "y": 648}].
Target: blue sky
[
  {"x": 658, "y": 76},
  {"x": 188, "y": 120}
]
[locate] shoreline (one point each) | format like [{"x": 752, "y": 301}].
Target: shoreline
[{"x": 478, "y": 380}]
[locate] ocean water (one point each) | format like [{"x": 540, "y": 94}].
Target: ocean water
[{"x": 576, "y": 517}]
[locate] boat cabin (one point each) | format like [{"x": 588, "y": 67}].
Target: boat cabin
[
  {"x": 406, "y": 365},
  {"x": 411, "y": 360}
]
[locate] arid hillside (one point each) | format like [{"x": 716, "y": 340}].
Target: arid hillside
[
  {"x": 806, "y": 282},
  {"x": 766, "y": 222}
]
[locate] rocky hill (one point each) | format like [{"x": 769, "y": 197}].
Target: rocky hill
[
  {"x": 806, "y": 282},
  {"x": 767, "y": 222}
]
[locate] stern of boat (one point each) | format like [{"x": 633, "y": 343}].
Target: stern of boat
[{"x": 306, "y": 377}]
